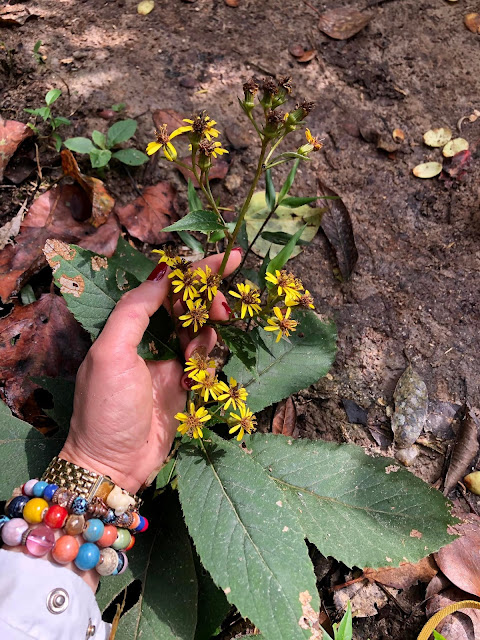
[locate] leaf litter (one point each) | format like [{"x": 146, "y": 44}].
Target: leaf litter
[
  {"x": 12, "y": 134},
  {"x": 285, "y": 419},
  {"x": 344, "y": 22},
  {"x": 464, "y": 451}
]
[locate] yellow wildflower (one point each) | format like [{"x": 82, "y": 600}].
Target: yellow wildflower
[
  {"x": 168, "y": 255},
  {"x": 315, "y": 142},
  {"x": 163, "y": 141},
  {"x": 208, "y": 280},
  {"x": 197, "y": 314},
  {"x": 281, "y": 323},
  {"x": 246, "y": 421},
  {"x": 249, "y": 297},
  {"x": 305, "y": 301},
  {"x": 186, "y": 280},
  {"x": 286, "y": 283},
  {"x": 202, "y": 125},
  {"x": 234, "y": 395},
  {"x": 208, "y": 385},
  {"x": 197, "y": 362},
  {"x": 192, "y": 422}
]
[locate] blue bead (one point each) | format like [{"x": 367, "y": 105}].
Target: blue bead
[
  {"x": 15, "y": 508},
  {"x": 87, "y": 557},
  {"x": 3, "y": 520},
  {"x": 141, "y": 524},
  {"x": 79, "y": 506},
  {"x": 110, "y": 517},
  {"x": 94, "y": 530},
  {"x": 49, "y": 491},
  {"x": 39, "y": 488},
  {"x": 121, "y": 562}
]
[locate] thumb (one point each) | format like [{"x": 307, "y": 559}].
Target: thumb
[{"x": 129, "y": 320}]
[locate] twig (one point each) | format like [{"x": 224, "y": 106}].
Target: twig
[
  {"x": 392, "y": 598},
  {"x": 312, "y": 7},
  {"x": 468, "y": 500},
  {"x": 37, "y": 158}
]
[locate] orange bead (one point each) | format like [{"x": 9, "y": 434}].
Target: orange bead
[
  {"x": 136, "y": 520},
  {"x": 131, "y": 543},
  {"x": 109, "y": 536},
  {"x": 65, "y": 549}
]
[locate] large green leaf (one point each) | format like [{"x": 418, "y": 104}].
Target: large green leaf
[
  {"x": 132, "y": 157},
  {"x": 240, "y": 343},
  {"x": 132, "y": 260},
  {"x": 162, "y": 559},
  {"x": 246, "y": 536},
  {"x": 213, "y": 605},
  {"x": 203, "y": 221},
  {"x": 364, "y": 511},
  {"x": 285, "y": 367},
  {"x": 24, "y": 451},
  {"x": 285, "y": 219},
  {"x": 92, "y": 285},
  {"x": 62, "y": 392}
]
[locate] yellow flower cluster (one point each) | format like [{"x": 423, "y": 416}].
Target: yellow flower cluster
[{"x": 208, "y": 388}]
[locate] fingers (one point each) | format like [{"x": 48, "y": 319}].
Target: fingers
[{"x": 128, "y": 321}]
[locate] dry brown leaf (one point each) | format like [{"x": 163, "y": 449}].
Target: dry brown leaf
[
  {"x": 170, "y": 117},
  {"x": 455, "y": 168},
  {"x": 460, "y": 560},
  {"x": 285, "y": 419},
  {"x": 102, "y": 201},
  {"x": 404, "y": 576},
  {"x": 57, "y": 213},
  {"x": 232, "y": 3},
  {"x": 472, "y": 22},
  {"x": 147, "y": 215},
  {"x": 296, "y": 50},
  {"x": 16, "y": 14},
  {"x": 218, "y": 171},
  {"x": 462, "y": 625},
  {"x": 12, "y": 134},
  {"x": 366, "y": 599},
  {"x": 398, "y": 135},
  {"x": 465, "y": 449},
  {"x": 39, "y": 339},
  {"x": 343, "y": 23},
  {"x": 411, "y": 407},
  {"x": 307, "y": 55}
]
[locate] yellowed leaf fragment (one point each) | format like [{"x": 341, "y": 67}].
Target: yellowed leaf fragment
[
  {"x": 437, "y": 137},
  {"x": 145, "y": 7},
  {"x": 427, "y": 170},
  {"x": 454, "y": 146}
]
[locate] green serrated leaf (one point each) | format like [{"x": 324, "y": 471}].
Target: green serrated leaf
[
  {"x": 240, "y": 344},
  {"x": 166, "y": 474},
  {"x": 132, "y": 157},
  {"x": 245, "y": 536},
  {"x": 279, "y": 261},
  {"x": 52, "y": 96},
  {"x": 25, "y": 452},
  {"x": 92, "y": 285},
  {"x": 79, "y": 145},
  {"x": 194, "y": 202},
  {"x": 100, "y": 158},
  {"x": 203, "y": 221},
  {"x": 162, "y": 559},
  {"x": 99, "y": 139},
  {"x": 285, "y": 367},
  {"x": 121, "y": 132},
  {"x": 213, "y": 606},
  {"x": 270, "y": 195},
  {"x": 363, "y": 511}
]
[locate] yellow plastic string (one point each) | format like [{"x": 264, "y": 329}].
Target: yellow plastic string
[{"x": 432, "y": 624}]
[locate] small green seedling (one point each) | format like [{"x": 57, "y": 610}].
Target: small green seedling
[
  {"x": 343, "y": 630},
  {"x": 47, "y": 116},
  {"x": 120, "y": 106},
  {"x": 101, "y": 148},
  {"x": 39, "y": 58}
]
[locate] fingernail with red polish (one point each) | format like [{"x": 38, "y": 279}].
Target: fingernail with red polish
[
  {"x": 187, "y": 382},
  {"x": 227, "y": 308},
  {"x": 158, "y": 273},
  {"x": 239, "y": 249}
]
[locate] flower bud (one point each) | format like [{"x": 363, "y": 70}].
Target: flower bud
[
  {"x": 250, "y": 90},
  {"x": 270, "y": 89},
  {"x": 284, "y": 90},
  {"x": 301, "y": 112},
  {"x": 275, "y": 122}
]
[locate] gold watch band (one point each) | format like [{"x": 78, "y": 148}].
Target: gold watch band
[{"x": 80, "y": 481}]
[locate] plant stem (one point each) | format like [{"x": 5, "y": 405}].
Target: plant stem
[
  {"x": 244, "y": 208},
  {"x": 273, "y": 149},
  {"x": 250, "y": 246}
]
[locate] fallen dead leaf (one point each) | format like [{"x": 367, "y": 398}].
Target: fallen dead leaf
[
  {"x": 460, "y": 560},
  {"x": 12, "y": 228},
  {"x": 39, "y": 339},
  {"x": 455, "y": 168},
  {"x": 218, "y": 171},
  {"x": 285, "y": 419},
  {"x": 307, "y": 55},
  {"x": 464, "y": 451},
  {"x": 462, "y": 625},
  {"x": 355, "y": 413},
  {"x": 343, "y": 23},
  {"x": 147, "y": 215},
  {"x": 55, "y": 214},
  {"x": 472, "y": 22},
  {"x": 366, "y": 598},
  {"x": 145, "y": 7},
  {"x": 12, "y": 134},
  {"x": 16, "y": 14},
  {"x": 427, "y": 170},
  {"x": 337, "y": 226},
  {"x": 170, "y": 117},
  {"x": 404, "y": 576},
  {"x": 232, "y": 3},
  {"x": 437, "y": 137},
  {"x": 398, "y": 135},
  {"x": 102, "y": 201},
  {"x": 296, "y": 50},
  {"x": 454, "y": 146}
]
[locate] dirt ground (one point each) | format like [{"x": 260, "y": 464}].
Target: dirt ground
[{"x": 414, "y": 292}]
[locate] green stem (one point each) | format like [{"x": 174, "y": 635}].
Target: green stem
[
  {"x": 273, "y": 149},
  {"x": 244, "y": 208},
  {"x": 250, "y": 246}
]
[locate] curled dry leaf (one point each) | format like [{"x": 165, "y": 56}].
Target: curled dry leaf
[
  {"x": 404, "y": 576},
  {"x": 343, "y": 23},
  {"x": 427, "y": 170},
  {"x": 147, "y": 215},
  {"x": 218, "y": 171},
  {"x": 455, "y": 168},
  {"x": 411, "y": 407},
  {"x": 58, "y": 213},
  {"x": 462, "y": 625},
  {"x": 465, "y": 449},
  {"x": 307, "y": 55},
  {"x": 454, "y": 146},
  {"x": 285, "y": 419},
  {"x": 472, "y": 22},
  {"x": 102, "y": 201},
  {"x": 170, "y": 117},
  {"x": 44, "y": 339},
  {"x": 398, "y": 135},
  {"x": 145, "y": 7},
  {"x": 16, "y": 14},
  {"x": 12, "y": 134},
  {"x": 437, "y": 137},
  {"x": 460, "y": 560},
  {"x": 337, "y": 226}
]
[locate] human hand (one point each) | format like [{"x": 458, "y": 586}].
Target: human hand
[{"x": 123, "y": 421}]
